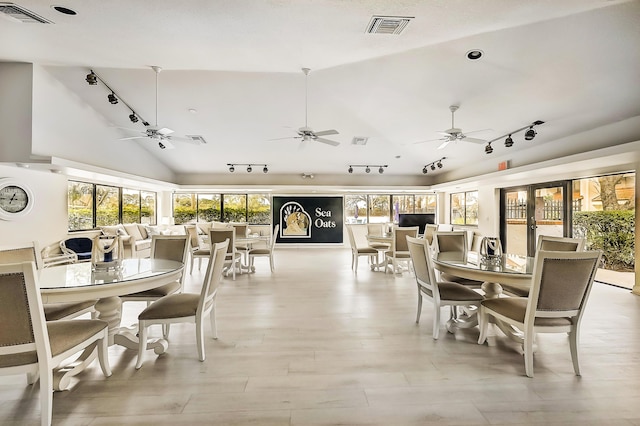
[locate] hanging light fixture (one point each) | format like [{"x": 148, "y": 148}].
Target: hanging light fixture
[
  {"x": 112, "y": 98},
  {"x": 433, "y": 165},
  {"x": 530, "y": 134},
  {"x": 367, "y": 167},
  {"x": 249, "y": 169},
  {"x": 508, "y": 142},
  {"x": 439, "y": 164},
  {"x": 231, "y": 168},
  {"x": 350, "y": 169},
  {"x": 381, "y": 170},
  {"x": 265, "y": 170},
  {"x": 92, "y": 78},
  {"x": 425, "y": 170},
  {"x": 133, "y": 117},
  {"x": 488, "y": 149}
]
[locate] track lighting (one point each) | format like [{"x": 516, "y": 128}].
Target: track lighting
[
  {"x": 92, "y": 78},
  {"x": 232, "y": 167},
  {"x": 530, "y": 134},
  {"x": 433, "y": 165},
  {"x": 367, "y": 167},
  {"x": 161, "y": 145},
  {"x": 508, "y": 142},
  {"x": 133, "y": 118},
  {"x": 112, "y": 98}
]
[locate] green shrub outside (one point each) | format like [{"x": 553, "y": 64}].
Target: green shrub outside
[{"x": 609, "y": 231}]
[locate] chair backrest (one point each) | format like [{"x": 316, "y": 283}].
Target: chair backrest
[
  {"x": 548, "y": 243},
  {"x": 192, "y": 232},
  {"x": 242, "y": 229},
  {"x": 420, "y": 256},
  {"x": 213, "y": 276},
  {"x": 444, "y": 227},
  {"x": 561, "y": 284},
  {"x": 359, "y": 234},
  {"x": 218, "y": 235},
  {"x": 170, "y": 247},
  {"x": 451, "y": 246},
  {"x": 400, "y": 234},
  {"x": 26, "y": 252},
  {"x": 272, "y": 244},
  {"x": 429, "y": 230},
  {"x": 375, "y": 229},
  {"x": 23, "y": 335},
  {"x": 80, "y": 245}
]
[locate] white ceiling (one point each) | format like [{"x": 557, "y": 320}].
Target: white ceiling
[{"x": 572, "y": 63}]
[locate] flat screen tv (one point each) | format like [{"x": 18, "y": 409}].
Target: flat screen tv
[{"x": 417, "y": 219}]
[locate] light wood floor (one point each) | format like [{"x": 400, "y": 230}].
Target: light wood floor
[{"x": 314, "y": 343}]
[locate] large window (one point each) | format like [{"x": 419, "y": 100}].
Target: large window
[
  {"x": 90, "y": 205},
  {"x": 206, "y": 207},
  {"x": 464, "y": 208},
  {"x": 371, "y": 208}
]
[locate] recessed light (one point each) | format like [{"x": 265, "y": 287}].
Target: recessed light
[
  {"x": 474, "y": 54},
  {"x": 193, "y": 110},
  {"x": 64, "y": 10}
]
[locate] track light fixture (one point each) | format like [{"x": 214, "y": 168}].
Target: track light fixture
[
  {"x": 92, "y": 78},
  {"x": 113, "y": 98},
  {"x": 508, "y": 142},
  {"x": 367, "y": 167},
  {"x": 232, "y": 167},
  {"x": 433, "y": 165}
]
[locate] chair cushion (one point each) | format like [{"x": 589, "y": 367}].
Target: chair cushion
[
  {"x": 158, "y": 291},
  {"x": 66, "y": 334},
  {"x": 515, "y": 290},
  {"x": 458, "y": 292},
  {"x": 202, "y": 252},
  {"x": 259, "y": 251},
  {"x": 459, "y": 280},
  {"x": 143, "y": 231},
  {"x": 367, "y": 250},
  {"x": 143, "y": 244},
  {"x": 56, "y": 311},
  {"x": 172, "y": 306},
  {"x": 516, "y": 307}
]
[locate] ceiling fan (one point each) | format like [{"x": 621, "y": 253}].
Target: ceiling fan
[
  {"x": 306, "y": 133},
  {"x": 454, "y": 133},
  {"x": 155, "y": 132}
]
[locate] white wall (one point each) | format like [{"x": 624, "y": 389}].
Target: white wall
[
  {"x": 15, "y": 111},
  {"x": 47, "y": 221}
]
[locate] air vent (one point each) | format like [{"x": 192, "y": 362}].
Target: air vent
[
  {"x": 388, "y": 24},
  {"x": 197, "y": 139},
  {"x": 20, "y": 14},
  {"x": 359, "y": 140}
]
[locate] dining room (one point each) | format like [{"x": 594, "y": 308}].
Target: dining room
[{"x": 312, "y": 344}]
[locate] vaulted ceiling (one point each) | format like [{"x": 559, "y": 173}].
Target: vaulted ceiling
[{"x": 232, "y": 74}]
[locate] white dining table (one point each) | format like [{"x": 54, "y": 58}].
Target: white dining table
[{"x": 78, "y": 282}]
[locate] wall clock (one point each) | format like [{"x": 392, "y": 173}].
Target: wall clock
[{"x": 16, "y": 199}]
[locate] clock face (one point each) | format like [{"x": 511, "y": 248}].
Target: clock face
[{"x": 13, "y": 199}]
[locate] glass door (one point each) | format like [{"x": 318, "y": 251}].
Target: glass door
[{"x": 533, "y": 210}]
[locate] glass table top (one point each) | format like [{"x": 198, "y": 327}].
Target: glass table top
[
  {"x": 81, "y": 274},
  {"x": 506, "y": 264}
]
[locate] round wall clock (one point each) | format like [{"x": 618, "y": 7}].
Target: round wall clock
[{"x": 16, "y": 199}]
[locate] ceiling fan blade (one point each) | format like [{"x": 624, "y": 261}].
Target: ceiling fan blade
[
  {"x": 474, "y": 140},
  {"x": 280, "y": 139},
  {"x": 327, "y": 132},
  {"x": 327, "y": 141},
  {"x": 164, "y": 131},
  {"x": 429, "y": 140},
  {"x": 132, "y": 137},
  {"x": 478, "y": 131},
  {"x": 445, "y": 134},
  {"x": 444, "y": 144}
]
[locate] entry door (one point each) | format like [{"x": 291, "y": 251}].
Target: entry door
[{"x": 533, "y": 210}]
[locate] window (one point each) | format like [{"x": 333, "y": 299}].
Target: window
[
  {"x": 209, "y": 207},
  {"x": 107, "y": 205},
  {"x": 402, "y": 204},
  {"x": 464, "y": 208},
  {"x": 258, "y": 209},
  {"x": 379, "y": 208},
  {"x": 184, "y": 208},
  {"x": 90, "y": 205},
  {"x": 235, "y": 207},
  {"x": 80, "y": 205},
  {"x": 426, "y": 203},
  {"x": 363, "y": 208},
  {"x": 355, "y": 208}
]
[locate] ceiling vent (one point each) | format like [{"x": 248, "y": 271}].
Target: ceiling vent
[
  {"x": 20, "y": 14},
  {"x": 359, "y": 140},
  {"x": 388, "y": 24},
  {"x": 197, "y": 139}
]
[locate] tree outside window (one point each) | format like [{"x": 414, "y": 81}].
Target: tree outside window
[
  {"x": 235, "y": 207},
  {"x": 208, "y": 207},
  {"x": 80, "y": 205},
  {"x": 259, "y": 209},
  {"x": 464, "y": 208},
  {"x": 130, "y": 206},
  {"x": 379, "y": 208},
  {"x": 184, "y": 208},
  {"x": 107, "y": 205}
]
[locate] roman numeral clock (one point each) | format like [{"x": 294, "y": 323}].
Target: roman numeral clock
[{"x": 16, "y": 199}]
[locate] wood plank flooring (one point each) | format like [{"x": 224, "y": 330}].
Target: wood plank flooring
[{"x": 316, "y": 344}]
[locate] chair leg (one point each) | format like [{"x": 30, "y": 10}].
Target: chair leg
[
  {"x": 574, "y": 341},
  {"x": 142, "y": 343},
  {"x": 436, "y": 322},
  {"x": 271, "y": 262},
  {"x": 200, "y": 337},
  {"x": 353, "y": 259},
  {"x": 528, "y": 353},
  {"x": 212, "y": 318},
  {"x": 191, "y": 271},
  {"x": 483, "y": 325},
  {"x": 419, "y": 307},
  {"x": 46, "y": 395},
  {"x": 103, "y": 353},
  {"x": 165, "y": 331},
  {"x": 199, "y": 263}
]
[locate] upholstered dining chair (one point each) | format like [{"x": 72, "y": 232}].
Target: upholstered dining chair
[
  {"x": 265, "y": 252},
  {"x": 441, "y": 293},
  {"x": 29, "y": 252},
  {"x": 429, "y": 231},
  {"x": 169, "y": 247},
  {"x": 453, "y": 246},
  {"x": 547, "y": 243},
  {"x": 199, "y": 250},
  {"x": 29, "y": 344},
  {"x": 359, "y": 245},
  {"x": 399, "y": 251},
  {"x": 377, "y": 230},
  {"x": 233, "y": 259},
  {"x": 187, "y": 307},
  {"x": 560, "y": 288}
]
